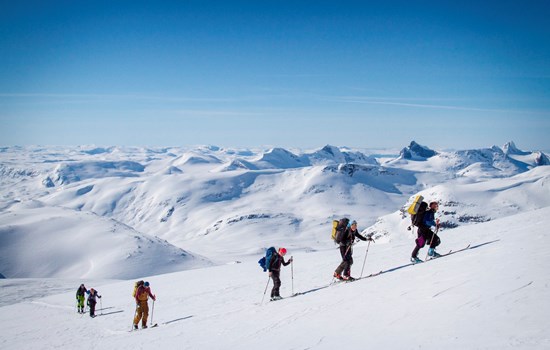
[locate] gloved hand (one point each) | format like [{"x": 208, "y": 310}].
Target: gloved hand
[
  {"x": 291, "y": 260},
  {"x": 269, "y": 273}
]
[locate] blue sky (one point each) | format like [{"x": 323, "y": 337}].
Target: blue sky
[{"x": 282, "y": 73}]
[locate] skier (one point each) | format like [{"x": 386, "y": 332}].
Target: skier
[
  {"x": 80, "y": 298},
  {"x": 275, "y": 271},
  {"x": 143, "y": 293},
  {"x": 92, "y": 294},
  {"x": 343, "y": 271},
  {"x": 425, "y": 234}
]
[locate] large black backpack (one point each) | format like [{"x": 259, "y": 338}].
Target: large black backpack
[
  {"x": 340, "y": 230},
  {"x": 418, "y": 218}
]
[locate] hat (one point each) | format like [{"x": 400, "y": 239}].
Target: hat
[
  {"x": 352, "y": 223},
  {"x": 282, "y": 251},
  {"x": 146, "y": 284}
]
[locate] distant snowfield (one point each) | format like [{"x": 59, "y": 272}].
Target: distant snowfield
[{"x": 194, "y": 222}]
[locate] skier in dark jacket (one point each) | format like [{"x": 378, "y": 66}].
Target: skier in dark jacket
[
  {"x": 275, "y": 271},
  {"x": 424, "y": 222},
  {"x": 350, "y": 233},
  {"x": 92, "y": 295},
  {"x": 80, "y": 298}
]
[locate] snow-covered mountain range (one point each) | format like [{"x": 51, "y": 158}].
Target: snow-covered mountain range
[
  {"x": 186, "y": 208},
  {"x": 194, "y": 222}
]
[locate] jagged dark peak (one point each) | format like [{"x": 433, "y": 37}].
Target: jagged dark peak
[
  {"x": 510, "y": 148},
  {"x": 415, "y": 150},
  {"x": 541, "y": 159}
]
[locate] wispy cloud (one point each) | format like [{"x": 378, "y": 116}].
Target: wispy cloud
[
  {"x": 121, "y": 97},
  {"x": 399, "y": 102}
]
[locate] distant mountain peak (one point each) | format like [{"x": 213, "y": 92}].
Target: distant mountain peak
[
  {"x": 541, "y": 159},
  {"x": 415, "y": 151},
  {"x": 510, "y": 148}
]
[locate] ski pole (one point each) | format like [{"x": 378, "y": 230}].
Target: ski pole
[
  {"x": 152, "y": 311},
  {"x": 365, "y": 260},
  {"x": 265, "y": 291},
  {"x": 101, "y": 305},
  {"x": 292, "y": 272}
]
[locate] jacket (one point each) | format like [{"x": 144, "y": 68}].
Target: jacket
[
  {"x": 349, "y": 236},
  {"x": 276, "y": 261}
]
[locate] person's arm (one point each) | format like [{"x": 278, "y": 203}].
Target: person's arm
[{"x": 360, "y": 236}]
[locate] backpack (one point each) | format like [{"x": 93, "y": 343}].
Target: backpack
[
  {"x": 338, "y": 231},
  {"x": 136, "y": 286},
  {"x": 264, "y": 262},
  {"x": 413, "y": 208},
  {"x": 417, "y": 219}
]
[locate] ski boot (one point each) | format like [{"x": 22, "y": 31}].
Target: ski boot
[
  {"x": 275, "y": 298},
  {"x": 338, "y": 276},
  {"x": 415, "y": 260},
  {"x": 433, "y": 254}
]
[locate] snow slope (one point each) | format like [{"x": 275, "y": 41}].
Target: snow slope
[
  {"x": 43, "y": 241},
  {"x": 493, "y": 296}
]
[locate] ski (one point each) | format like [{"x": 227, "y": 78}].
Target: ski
[
  {"x": 451, "y": 252},
  {"x": 142, "y": 329},
  {"x": 372, "y": 275}
]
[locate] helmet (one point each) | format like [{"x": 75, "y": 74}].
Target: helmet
[
  {"x": 146, "y": 284},
  {"x": 282, "y": 251}
]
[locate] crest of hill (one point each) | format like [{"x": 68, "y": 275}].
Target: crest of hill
[
  {"x": 47, "y": 242},
  {"x": 280, "y": 158},
  {"x": 66, "y": 173}
]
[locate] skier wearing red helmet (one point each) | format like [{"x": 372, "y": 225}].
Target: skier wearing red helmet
[{"x": 275, "y": 271}]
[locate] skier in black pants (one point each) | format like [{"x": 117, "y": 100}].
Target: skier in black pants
[
  {"x": 275, "y": 271},
  {"x": 343, "y": 271},
  {"x": 425, "y": 220},
  {"x": 92, "y": 294}
]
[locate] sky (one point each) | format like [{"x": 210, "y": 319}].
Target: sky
[{"x": 303, "y": 74}]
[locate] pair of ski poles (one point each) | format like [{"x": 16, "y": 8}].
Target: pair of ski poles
[
  {"x": 152, "y": 314},
  {"x": 269, "y": 278}
]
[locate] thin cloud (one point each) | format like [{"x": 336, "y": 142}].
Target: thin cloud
[{"x": 395, "y": 102}]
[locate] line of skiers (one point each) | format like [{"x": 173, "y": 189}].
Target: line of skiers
[
  {"x": 141, "y": 294},
  {"x": 345, "y": 235}
]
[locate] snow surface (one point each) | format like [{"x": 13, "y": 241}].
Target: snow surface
[{"x": 194, "y": 222}]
